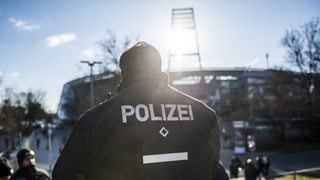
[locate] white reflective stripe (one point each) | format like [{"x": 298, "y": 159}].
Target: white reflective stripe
[{"x": 158, "y": 158}]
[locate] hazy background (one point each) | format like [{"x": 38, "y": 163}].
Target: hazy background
[{"x": 43, "y": 42}]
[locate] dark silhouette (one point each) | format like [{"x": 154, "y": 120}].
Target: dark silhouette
[
  {"x": 250, "y": 171},
  {"x": 235, "y": 164},
  {"x": 27, "y": 167},
  {"x": 38, "y": 143},
  {"x": 263, "y": 163},
  {"x": 149, "y": 130},
  {"x": 5, "y": 169}
]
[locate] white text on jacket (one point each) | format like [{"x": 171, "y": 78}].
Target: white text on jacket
[{"x": 167, "y": 112}]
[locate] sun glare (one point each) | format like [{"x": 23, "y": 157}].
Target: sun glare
[{"x": 182, "y": 42}]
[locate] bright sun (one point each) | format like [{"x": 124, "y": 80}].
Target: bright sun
[{"x": 182, "y": 42}]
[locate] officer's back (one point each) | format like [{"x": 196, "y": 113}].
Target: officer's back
[{"x": 149, "y": 130}]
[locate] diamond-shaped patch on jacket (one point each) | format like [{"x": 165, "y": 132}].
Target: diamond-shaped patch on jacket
[{"x": 164, "y": 132}]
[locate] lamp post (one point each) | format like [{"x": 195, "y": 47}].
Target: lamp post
[
  {"x": 267, "y": 59},
  {"x": 50, "y": 146},
  {"x": 91, "y": 64}
]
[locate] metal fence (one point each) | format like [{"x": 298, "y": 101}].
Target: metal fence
[{"x": 312, "y": 172}]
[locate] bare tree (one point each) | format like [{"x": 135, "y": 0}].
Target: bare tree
[
  {"x": 112, "y": 47},
  {"x": 19, "y": 108},
  {"x": 303, "y": 52},
  {"x": 33, "y": 103},
  {"x": 75, "y": 97},
  {"x": 303, "y": 47},
  {"x": 11, "y": 114},
  {"x": 277, "y": 98}
]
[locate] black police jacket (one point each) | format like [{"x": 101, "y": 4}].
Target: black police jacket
[
  {"x": 30, "y": 173},
  {"x": 147, "y": 131}
]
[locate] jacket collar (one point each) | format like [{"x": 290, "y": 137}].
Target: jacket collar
[{"x": 160, "y": 79}]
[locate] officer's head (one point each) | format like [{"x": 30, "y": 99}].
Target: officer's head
[
  {"x": 248, "y": 162},
  {"x": 5, "y": 169},
  {"x": 140, "y": 62},
  {"x": 26, "y": 158}
]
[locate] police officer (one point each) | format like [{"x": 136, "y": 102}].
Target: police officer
[
  {"x": 27, "y": 167},
  {"x": 263, "y": 163},
  {"x": 5, "y": 169},
  {"x": 250, "y": 171},
  {"x": 234, "y": 165},
  {"x": 149, "y": 130}
]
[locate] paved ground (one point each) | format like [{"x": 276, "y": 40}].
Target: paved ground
[
  {"x": 281, "y": 160},
  {"x": 46, "y": 156}
]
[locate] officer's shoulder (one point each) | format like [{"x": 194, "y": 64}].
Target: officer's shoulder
[
  {"x": 90, "y": 116},
  {"x": 42, "y": 171},
  {"x": 192, "y": 100}
]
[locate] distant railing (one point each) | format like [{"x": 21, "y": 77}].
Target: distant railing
[{"x": 295, "y": 173}]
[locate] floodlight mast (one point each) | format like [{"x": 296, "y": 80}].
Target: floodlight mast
[
  {"x": 184, "y": 19},
  {"x": 91, "y": 64}
]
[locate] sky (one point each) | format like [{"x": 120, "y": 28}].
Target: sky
[{"x": 42, "y": 42}]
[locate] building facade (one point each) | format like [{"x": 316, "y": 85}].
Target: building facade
[{"x": 264, "y": 102}]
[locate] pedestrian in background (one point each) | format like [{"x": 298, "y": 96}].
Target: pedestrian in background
[
  {"x": 5, "y": 169},
  {"x": 27, "y": 167},
  {"x": 250, "y": 171},
  {"x": 263, "y": 163},
  {"x": 266, "y": 165},
  {"x": 149, "y": 130},
  {"x": 234, "y": 166},
  {"x": 38, "y": 143}
]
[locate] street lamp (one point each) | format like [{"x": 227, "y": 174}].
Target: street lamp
[
  {"x": 91, "y": 64},
  {"x": 50, "y": 146}
]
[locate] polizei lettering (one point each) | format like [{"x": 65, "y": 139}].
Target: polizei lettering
[{"x": 165, "y": 112}]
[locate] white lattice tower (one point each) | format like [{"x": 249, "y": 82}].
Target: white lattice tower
[{"x": 183, "y": 19}]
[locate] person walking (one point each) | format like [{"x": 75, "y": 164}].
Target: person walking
[
  {"x": 5, "y": 169},
  {"x": 38, "y": 143},
  {"x": 263, "y": 163},
  {"x": 250, "y": 171},
  {"x": 234, "y": 166},
  {"x": 149, "y": 130},
  {"x": 27, "y": 167}
]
